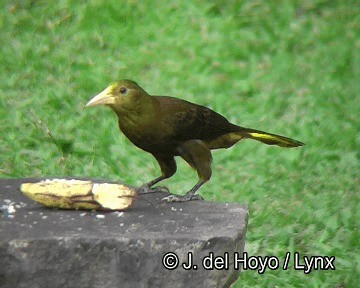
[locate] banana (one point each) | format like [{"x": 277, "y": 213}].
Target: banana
[{"x": 79, "y": 194}]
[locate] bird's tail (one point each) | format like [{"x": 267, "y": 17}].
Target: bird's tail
[{"x": 268, "y": 138}]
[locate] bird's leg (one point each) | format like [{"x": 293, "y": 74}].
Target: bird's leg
[
  {"x": 198, "y": 155},
  {"x": 168, "y": 168}
]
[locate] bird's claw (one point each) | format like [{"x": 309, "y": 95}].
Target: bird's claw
[
  {"x": 146, "y": 189},
  {"x": 177, "y": 198}
]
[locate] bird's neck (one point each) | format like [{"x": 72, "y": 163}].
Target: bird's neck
[{"x": 138, "y": 111}]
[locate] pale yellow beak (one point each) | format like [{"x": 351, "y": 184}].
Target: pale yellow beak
[{"x": 103, "y": 98}]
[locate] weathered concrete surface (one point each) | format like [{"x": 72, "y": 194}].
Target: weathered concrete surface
[{"x": 40, "y": 247}]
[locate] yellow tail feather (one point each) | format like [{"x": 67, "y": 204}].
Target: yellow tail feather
[{"x": 271, "y": 139}]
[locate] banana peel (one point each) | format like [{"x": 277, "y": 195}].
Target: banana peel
[{"x": 79, "y": 194}]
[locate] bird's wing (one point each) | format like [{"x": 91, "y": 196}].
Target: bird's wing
[{"x": 191, "y": 121}]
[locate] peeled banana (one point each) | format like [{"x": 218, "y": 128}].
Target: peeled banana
[{"x": 79, "y": 194}]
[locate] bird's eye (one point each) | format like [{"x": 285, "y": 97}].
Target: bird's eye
[{"x": 123, "y": 90}]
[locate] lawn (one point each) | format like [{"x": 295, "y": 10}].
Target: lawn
[{"x": 286, "y": 67}]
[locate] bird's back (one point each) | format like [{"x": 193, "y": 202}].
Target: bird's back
[{"x": 190, "y": 121}]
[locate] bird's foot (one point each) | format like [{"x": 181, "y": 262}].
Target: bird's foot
[
  {"x": 177, "y": 198},
  {"x": 146, "y": 189}
]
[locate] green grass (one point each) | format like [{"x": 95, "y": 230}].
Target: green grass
[{"x": 287, "y": 67}]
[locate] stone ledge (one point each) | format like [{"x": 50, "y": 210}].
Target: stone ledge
[{"x": 41, "y": 247}]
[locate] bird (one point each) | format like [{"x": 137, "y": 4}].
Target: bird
[{"x": 166, "y": 127}]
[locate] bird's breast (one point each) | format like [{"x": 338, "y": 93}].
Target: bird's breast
[{"x": 150, "y": 137}]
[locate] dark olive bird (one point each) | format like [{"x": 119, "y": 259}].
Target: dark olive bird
[{"x": 167, "y": 127}]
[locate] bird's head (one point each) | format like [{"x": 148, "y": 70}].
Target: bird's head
[{"x": 122, "y": 94}]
